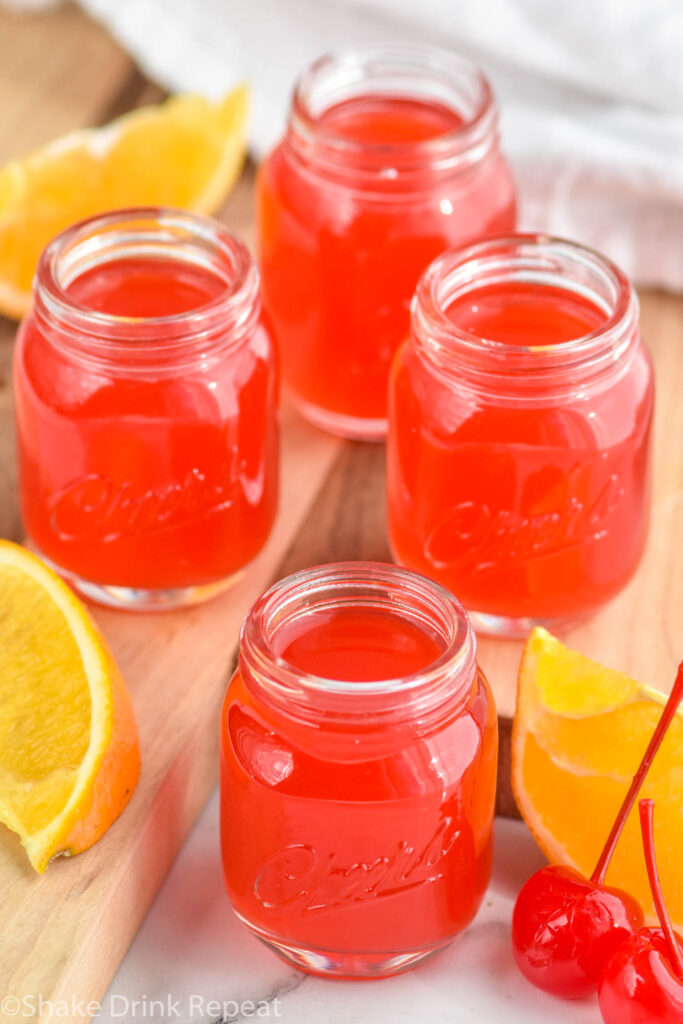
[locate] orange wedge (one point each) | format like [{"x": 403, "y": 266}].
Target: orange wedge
[
  {"x": 69, "y": 751},
  {"x": 579, "y": 733},
  {"x": 186, "y": 152}
]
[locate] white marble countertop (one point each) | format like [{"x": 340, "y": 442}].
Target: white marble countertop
[{"x": 193, "y": 962}]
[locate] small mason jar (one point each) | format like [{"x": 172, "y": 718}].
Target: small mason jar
[
  {"x": 519, "y": 447},
  {"x": 390, "y": 156},
  {"x": 358, "y": 770},
  {"x": 146, "y": 409}
]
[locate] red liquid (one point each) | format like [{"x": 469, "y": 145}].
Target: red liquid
[
  {"x": 389, "y": 120},
  {"x": 519, "y": 314},
  {"x": 362, "y": 840},
  {"x": 156, "y": 479},
  {"x": 358, "y": 645},
  {"x": 522, "y": 508},
  {"x": 341, "y": 258},
  {"x": 145, "y": 288}
]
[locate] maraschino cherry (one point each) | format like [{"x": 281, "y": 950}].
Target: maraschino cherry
[
  {"x": 566, "y": 927},
  {"x": 643, "y": 982}
]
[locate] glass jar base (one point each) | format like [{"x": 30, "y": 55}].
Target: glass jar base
[
  {"x": 509, "y": 628},
  {"x": 356, "y": 428},
  {"x": 140, "y": 599},
  {"x": 328, "y": 964}
]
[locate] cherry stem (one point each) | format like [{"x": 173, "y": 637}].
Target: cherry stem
[
  {"x": 598, "y": 876},
  {"x": 647, "y": 814}
]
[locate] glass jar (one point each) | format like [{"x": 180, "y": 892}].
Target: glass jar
[
  {"x": 358, "y": 770},
  {"x": 390, "y": 156},
  {"x": 146, "y": 409},
  {"x": 519, "y": 448}
]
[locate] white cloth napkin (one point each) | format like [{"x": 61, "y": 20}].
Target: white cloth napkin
[{"x": 591, "y": 93}]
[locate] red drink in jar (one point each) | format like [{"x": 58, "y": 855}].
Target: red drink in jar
[
  {"x": 358, "y": 770},
  {"x": 146, "y": 409},
  {"x": 519, "y": 450},
  {"x": 390, "y": 156}
]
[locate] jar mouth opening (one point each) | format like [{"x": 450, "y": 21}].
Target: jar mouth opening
[
  {"x": 425, "y": 74},
  {"x": 345, "y": 584},
  {"x": 149, "y": 234},
  {"x": 534, "y": 259}
]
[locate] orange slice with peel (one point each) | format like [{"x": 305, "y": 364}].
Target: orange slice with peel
[
  {"x": 69, "y": 750},
  {"x": 185, "y": 152},
  {"x": 579, "y": 733}
]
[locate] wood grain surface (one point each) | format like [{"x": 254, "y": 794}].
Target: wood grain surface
[{"x": 67, "y": 930}]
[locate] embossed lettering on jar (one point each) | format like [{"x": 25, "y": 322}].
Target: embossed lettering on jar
[
  {"x": 390, "y": 156},
  {"x": 146, "y": 409},
  {"x": 358, "y": 770},
  {"x": 519, "y": 449}
]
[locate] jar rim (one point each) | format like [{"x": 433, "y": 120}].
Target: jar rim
[
  {"x": 536, "y": 258},
  {"x": 466, "y": 143},
  {"x": 145, "y": 226},
  {"x": 291, "y": 686}
]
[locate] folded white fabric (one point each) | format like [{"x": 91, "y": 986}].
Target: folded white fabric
[{"x": 591, "y": 93}]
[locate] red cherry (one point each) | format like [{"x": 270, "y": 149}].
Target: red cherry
[
  {"x": 638, "y": 985},
  {"x": 643, "y": 981},
  {"x": 566, "y": 927}
]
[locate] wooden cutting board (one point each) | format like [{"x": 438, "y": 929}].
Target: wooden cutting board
[
  {"x": 66, "y": 931},
  {"x": 63, "y": 934}
]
